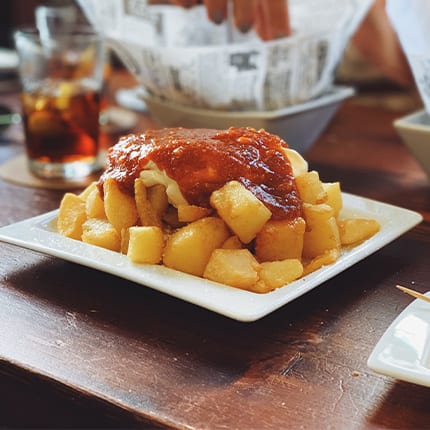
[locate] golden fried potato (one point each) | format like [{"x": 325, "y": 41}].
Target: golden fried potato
[
  {"x": 190, "y": 247},
  {"x": 355, "y": 230},
  {"x": 101, "y": 233},
  {"x": 125, "y": 238},
  {"x": 190, "y": 213},
  {"x": 145, "y": 244},
  {"x": 147, "y": 214},
  {"x": 235, "y": 267},
  {"x": 85, "y": 192},
  {"x": 240, "y": 210},
  {"x": 71, "y": 216},
  {"x": 120, "y": 208},
  {"x": 218, "y": 245},
  {"x": 328, "y": 257},
  {"x": 94, "y": 205},
  {"x": 158, "y": 198},
  {"x": 310, "y": 188},
  {"x": 232, "y": 242},
  {"x": 334, "y": 196},
  {"x": 280, "y": 240},
  {"x": 322, "y": 232},
  {"x": 275, "y": 274}
]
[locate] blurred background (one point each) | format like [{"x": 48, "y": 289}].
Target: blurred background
[
  {"x": 357, "y": 69},
  {"x": 16, "y": 13}
]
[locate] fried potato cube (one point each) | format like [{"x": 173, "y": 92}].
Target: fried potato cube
[
  {"x": 322, "y": 232},
  {"x": 275, "y": 274},
  {"x": 101, "y": 233},
  {"x": 190, "y": 213},
  {"x": 147, "y": 214},
  {"x": 86, "y": 191},
  {"x": 280, "y": 240},
  {"x": 328, "y": 257},
  {"x": 125, "y": 239},
  {"x": 235, "y": 267},
  {"x": 355, "y": 230},
  {"x": 232, "y": 242},
  {"x": 71, "y": 216},
  {"x": 240, "y": 210},
  {"x": 120, "y": 208},
  {"x": 310, "y": 188},
  {"x": 94, "y": 205},
  {"x": 334, "y": 196},
  {"x": 158, "y": 198},
  {"x": 145, "y": 244},
  {"x": 189, "y": 248}
]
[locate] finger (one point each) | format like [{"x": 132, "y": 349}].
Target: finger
[
  {"x": 272, "y": 21},
  {"x": 216, "y": 10},
  {"x": 244, "y": 14},
  {"x": 185, "y": 3}
]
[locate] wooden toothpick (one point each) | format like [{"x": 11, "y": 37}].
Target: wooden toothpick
[{"x": 414, "y": 293}]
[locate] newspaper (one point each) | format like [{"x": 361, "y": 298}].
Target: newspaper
[
  {"x": 411, "y": 20},
  {"x": 179, "y": 55}
]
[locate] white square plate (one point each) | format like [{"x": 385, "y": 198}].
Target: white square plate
[
  {"x": 39, "y": 234},
  {"x": 403, "y": 352}
]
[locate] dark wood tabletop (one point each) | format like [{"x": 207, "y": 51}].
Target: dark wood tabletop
[{"x": 83, "y": 349}]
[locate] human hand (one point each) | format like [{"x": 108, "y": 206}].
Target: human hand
[
  {"x": 269, "y": 17},
  {"x": 377, "y": 42}
]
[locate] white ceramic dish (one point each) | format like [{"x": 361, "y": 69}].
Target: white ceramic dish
[
  {"x": 39, "y": 234},
  {"x": 300, "y": 125},
  {"x": 403, "y": 352},
  {"x": 415, "y": 132}
]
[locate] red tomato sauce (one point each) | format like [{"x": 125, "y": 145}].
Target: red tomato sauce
[{"x": 203, "y": 160}]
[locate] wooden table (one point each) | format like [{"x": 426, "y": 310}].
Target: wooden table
[{"x": 83, "y": 349}]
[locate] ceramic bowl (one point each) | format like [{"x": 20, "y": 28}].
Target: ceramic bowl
[
  {"x": 300, "y": 125},
  {"x": 414, "y": 129}
]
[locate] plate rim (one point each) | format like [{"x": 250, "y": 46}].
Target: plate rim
[{"x": 202, "y": 292}]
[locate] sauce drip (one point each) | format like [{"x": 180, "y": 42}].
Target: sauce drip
[{"x": 203, "y": 160}]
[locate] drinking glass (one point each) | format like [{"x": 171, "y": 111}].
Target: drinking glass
[{"x": 61, "y": 75}]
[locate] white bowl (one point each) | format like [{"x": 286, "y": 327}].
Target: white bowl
[
  {"x": 415, "y": 132},
  {"x": 300, "y": 125}
]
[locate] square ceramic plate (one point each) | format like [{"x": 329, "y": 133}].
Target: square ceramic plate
[
  {"x": 39, "y": 234},
  {"x": 403, "y": 352}
]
